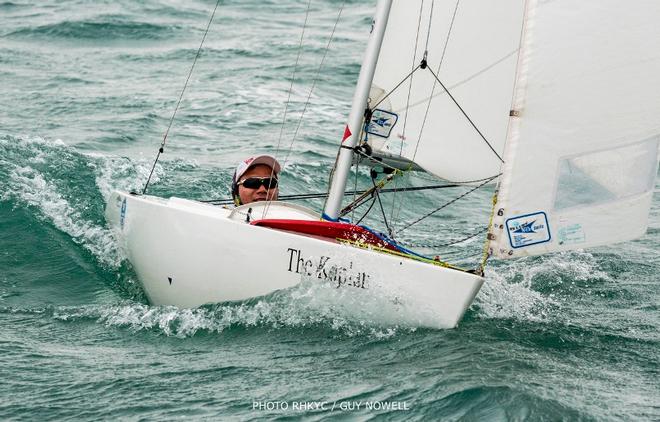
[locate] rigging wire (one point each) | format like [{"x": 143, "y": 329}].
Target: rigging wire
[
  {"x": 412, "y": 66},
  {"x": 442, "y": 57},
  {"x": 357, "y": 167},
  {"x": 445, "y": 205},
  {"x": 355, "y": 183},
  {"x": 486, "y": 248},
  {"x": 428, "y": 33},
  {"x": 377, "y": 195},
  {"x": 309, "y": 96},
  {"x": 288, "y": 97},
  {"x": 162, "y": 145},
  {"x": 443, "y": 245},
  {"x": 405, "y": 119},
  {"x": 397, "y": 86},
  {"x": 466, "y": 115},
  {"x": 428, "y": 105},
  {"x": 357, "y": 223},
  {"x": 321, "y": 195},
  {"x": 293, "y": 76}
]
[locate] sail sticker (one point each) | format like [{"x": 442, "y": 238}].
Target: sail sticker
[
  {"x": 571, "y": 235},
  {"x": 382, "y": 122},
  {"x": 528, "y": 229},
  {"x": 122, "y": 213}
]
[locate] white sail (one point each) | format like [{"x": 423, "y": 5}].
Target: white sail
[
  {"x": 581, "y": 159},
  {"x": 475, "y": 57}
]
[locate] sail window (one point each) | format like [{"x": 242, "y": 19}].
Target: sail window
[{"x": 609, "y": 175}]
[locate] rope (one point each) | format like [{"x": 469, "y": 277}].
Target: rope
[
  {"x": 365, "y": 196},
  {"x": 428, "y": 32},
  {"x": 319, "y": 195},
  {"x": 443, "y": 245},
  {"x": 162, "y": 145},
  {"x": 442, "y": 58},
  {"x": 316, "y": 78},
  {"x": 366, "y": 213},
  {"x": 309, "y": 96},
  {"x": 412, "y": 66},
  {"x": 405, "y": 119},
  {"x": 396, "y": 87},
  {"x": 466, "y": 115},
  {"x": 288, "y": 97},
  {"x": 445, "y": 205},
  {"x": 293, "y": 76},
  {"x": 389, "y": 230},
  {"x": 486, "y": 250}
]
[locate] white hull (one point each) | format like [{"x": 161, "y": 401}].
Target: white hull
[{"x": 188, "y": 254}]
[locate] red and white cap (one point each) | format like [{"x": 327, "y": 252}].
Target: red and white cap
[{"x": 268, "y": 160}]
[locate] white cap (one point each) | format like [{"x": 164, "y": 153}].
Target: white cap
[{"x": 243, "y": 166}]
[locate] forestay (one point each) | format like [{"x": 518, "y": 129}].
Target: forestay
[
  {"x": 473, "y": 48},
  {"x": 581, "y": 159}
]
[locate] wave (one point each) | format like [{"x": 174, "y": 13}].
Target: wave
[
  {"x": 99, "y": 31},
  {"x": 306, "y": 306},
  {"x": 67, "y": 189},
  {"x": 537, "y": 288},
  {"x": 8, "y": 6}
]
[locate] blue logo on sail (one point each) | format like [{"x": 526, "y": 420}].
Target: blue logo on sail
[
  {"x": 528, "y": 229},
  {"x": 381, "y": 123}
]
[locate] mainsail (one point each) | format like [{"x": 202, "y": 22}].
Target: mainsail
[
  {"x": 581, "y": 158},
  {"x": 472, "y": 47}
]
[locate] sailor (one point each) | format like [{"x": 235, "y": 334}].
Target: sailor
[{"x": 255, "y": 179}]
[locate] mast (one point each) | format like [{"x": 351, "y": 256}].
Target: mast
[{"x": 352, "y": 131}]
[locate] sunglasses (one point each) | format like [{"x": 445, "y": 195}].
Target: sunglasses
[{"x": 256, "y": 182}]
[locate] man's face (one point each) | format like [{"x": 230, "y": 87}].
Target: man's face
[{"x": 261, "y": 193}]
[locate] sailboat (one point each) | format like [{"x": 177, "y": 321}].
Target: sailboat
[{"x": 555, "y": 101}]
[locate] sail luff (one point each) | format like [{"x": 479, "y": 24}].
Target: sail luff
[
  {"x": 513, "y": 128},
  {"x": 354, "y": 126}
]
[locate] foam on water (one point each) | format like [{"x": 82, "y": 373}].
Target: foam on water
[
  {"x": 29, "y": 184},
  {"x": 511, "y": 291},
  {"x": 535, "y": 289},
  {"x": 120, "y": 173},
  {"x": 283, "y": 310},
  {"x": 508, "y": 293},
  {"x": 572, "y": 336},
  {"x": 34, "y": 179}
]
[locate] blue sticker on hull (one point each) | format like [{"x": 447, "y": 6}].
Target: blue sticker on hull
[
  {"x": 528, "y": 229},
  {"x": 122, "y": 213}
]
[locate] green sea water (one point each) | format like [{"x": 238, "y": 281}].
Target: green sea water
[{"x": 86, "y": 92}]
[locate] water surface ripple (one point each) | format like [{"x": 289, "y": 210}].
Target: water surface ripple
[{"x": 87, "y": 91}]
